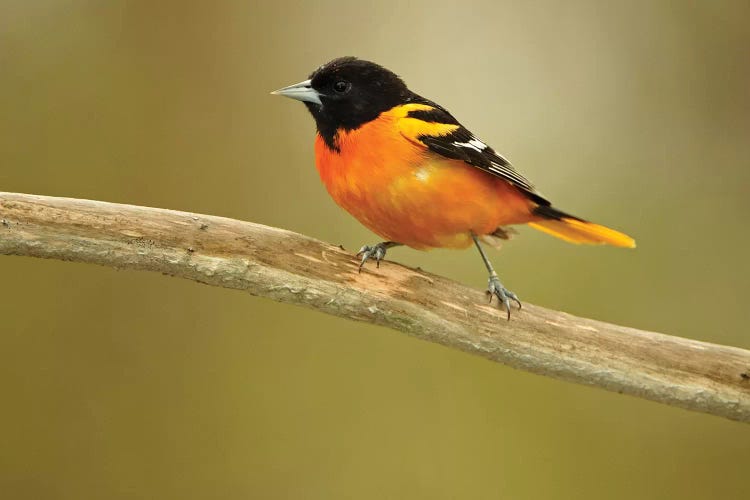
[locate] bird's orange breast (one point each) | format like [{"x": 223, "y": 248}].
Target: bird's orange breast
[{"x": 399, "y": 189}]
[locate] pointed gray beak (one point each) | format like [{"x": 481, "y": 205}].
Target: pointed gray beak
[{"x": 301, "y": 91}]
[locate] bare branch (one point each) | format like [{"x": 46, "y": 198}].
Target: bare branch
[{"x": 295, "y": 269}]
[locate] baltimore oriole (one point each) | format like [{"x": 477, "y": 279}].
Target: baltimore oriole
[{"x": 410, "y": 172}]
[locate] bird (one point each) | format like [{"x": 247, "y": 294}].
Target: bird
[{"x": 405, "y": 168}]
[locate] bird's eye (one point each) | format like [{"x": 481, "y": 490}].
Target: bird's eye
[{"x": 342, "y": 86}]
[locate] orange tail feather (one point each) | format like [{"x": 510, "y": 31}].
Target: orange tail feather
[{"x": 574, "y": 230}]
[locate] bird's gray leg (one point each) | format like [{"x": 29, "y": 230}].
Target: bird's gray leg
[
  {"x": 494, "y": 287},
  {"x": 376, "y": 252}
]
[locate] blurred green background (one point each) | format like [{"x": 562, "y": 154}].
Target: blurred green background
[{"x": 132, "y": 385}]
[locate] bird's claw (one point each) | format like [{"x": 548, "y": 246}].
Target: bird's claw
[
  {"x": 495, "y": 288},
  {"x": 368, "y": 252}
]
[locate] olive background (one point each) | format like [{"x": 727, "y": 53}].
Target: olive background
[{"x": 134, "y": 385}]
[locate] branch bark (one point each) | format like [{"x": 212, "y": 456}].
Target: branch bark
[{"x": 295, "y": 269}]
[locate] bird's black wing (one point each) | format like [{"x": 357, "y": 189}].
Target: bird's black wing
[{"x": 461, "y": 144}]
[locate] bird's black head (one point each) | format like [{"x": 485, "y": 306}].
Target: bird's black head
[
  {"x": 353, "y": 92},
  {"x": 347, "y": 93}
]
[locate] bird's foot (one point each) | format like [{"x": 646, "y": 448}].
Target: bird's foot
[
  {"x": 496, "y": 289},
  {"x": 376, "y": 252}
]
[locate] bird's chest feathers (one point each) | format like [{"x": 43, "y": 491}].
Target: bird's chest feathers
[{"x": 374, "y": 168}]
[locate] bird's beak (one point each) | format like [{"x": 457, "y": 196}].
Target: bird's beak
[{"x": 301, "y": 91}]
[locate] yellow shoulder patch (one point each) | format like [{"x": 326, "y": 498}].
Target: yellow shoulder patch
[{"x": 412, "y": 128}]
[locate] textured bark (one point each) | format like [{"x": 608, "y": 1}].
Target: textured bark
[{"x": 292, "y": 268}]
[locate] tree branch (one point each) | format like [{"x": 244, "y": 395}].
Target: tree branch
[{"x": 292, "y": 268}]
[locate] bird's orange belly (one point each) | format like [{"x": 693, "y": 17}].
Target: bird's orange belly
[{"x": 417, "y": 198}]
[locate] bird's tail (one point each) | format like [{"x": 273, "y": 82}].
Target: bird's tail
[{"x": 574, "y": 230}]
